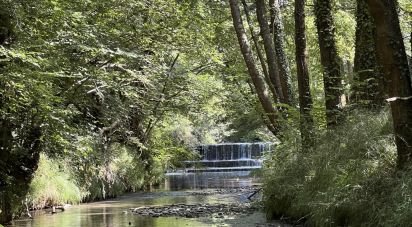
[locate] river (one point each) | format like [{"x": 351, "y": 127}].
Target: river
[{"x": 177, "y": 189}]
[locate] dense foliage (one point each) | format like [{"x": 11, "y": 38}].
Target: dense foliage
[
  {"x": 105, "y": 96},
  {"x": 347, "y": 180}
]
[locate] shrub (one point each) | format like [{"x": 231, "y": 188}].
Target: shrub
[
  {"x": 52, "y": 185},
  {"x": 119, "y": 174},
  {"x": 348, "y": 179}
]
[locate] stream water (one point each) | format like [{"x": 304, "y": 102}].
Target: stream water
[
  {"x": 219, "y": 177},
  {"x": 178, "y": 189}
]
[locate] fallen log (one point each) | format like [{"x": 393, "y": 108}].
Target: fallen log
[{"x": 254, "y": 193}]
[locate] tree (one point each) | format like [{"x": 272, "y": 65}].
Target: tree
[
  {"x": 305, "y": 98},
  {"x": 73, "y": 76},
  {"x": 392, "y": 58},
  {"x": 20, "y": 127},
  {"x": 259, "y": 51},
  {"x": 368, "y": 85},
  {"x": 258, "y": 82},
  {"x": 332, "y": 77},
  {"x": 270, "y": 50},
  {"x": 279, "y": 41}
]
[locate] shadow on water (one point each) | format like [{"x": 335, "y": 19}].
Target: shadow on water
[{"x": 178, "y": 188}]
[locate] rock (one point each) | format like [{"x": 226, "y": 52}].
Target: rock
[{"x": 195, "y": 210}]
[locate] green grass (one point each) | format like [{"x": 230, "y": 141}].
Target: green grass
[
  {"x": 58, "y": 182},
  {"x": 349, "y": 179},
  {"x": 52, "y": 186},
  {"x": 121, "y": 174}
]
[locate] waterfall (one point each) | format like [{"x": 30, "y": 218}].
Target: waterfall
[{"x": 229, "y": 157}]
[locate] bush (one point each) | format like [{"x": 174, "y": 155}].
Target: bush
[
  {"x": 113, "y": 177},
  {"x": 57, "y": 182},
  {"x": 52, "y": 186},
  {"x": 348, "y": 179}
]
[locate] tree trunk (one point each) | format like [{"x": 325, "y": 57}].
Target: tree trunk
[
  {"x": 19, "y": 156},
  {"x": 332, "y": 78},
  {"x": 18, "y": 167},
  {"x": 259, "y": 52},
  {"x": 142, "y": 133},
  {"x": 269, "y": 49},
  {"x": 257, "y": 80},
  {"x": 392, "y": 58},
  {"x": 5, "y": 207},
  {"x": 265, "y": 120},
  {"x": 279, "y": 41},
  {"x": 305, "y": 98},
  {"x": 368, "y": 87},
  {"x": 5, "y": 132},
  {"x": 5, "y": 146},
  {"x": 410, "y": 43}
]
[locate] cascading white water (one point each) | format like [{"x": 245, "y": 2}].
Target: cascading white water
[{"x": 229, "y": 157}]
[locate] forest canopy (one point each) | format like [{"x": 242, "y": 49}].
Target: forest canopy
[{"x": 105, "y": 96}]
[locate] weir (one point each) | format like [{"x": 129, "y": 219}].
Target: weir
[
  {"x": 228, "y": 157},
  {"x": 226, "y": 165}
]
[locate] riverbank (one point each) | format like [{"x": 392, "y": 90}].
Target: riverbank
[
  {"x": 348, "y": 179},
  {"x": 226, "y": 209}
]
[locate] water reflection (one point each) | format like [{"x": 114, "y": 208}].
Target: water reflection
[
  {"x": 206, "y": 180},
  {"x": 112, "y": 212}
]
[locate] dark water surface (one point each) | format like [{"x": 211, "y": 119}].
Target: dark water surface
[{"x": 178, "y": 188}]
